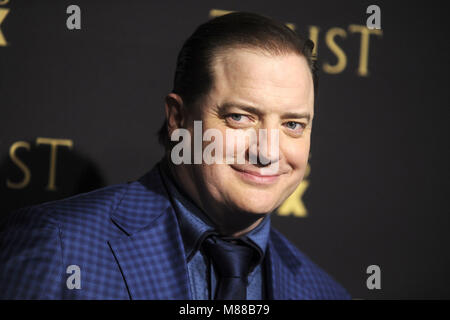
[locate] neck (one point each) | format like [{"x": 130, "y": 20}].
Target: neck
[{"x": 227, "y": 221}]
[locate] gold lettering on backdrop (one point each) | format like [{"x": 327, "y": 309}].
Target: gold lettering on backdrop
[
  {"x": 314, "y": 37},
  {"x": 54, "y": 143},
  {"x": 218, "y": 12},
  {"x": 338, "y": 52},
  {"x": 364, "y": 48},
  {"x": 26, "y": 171},
  {"x": 290, "y": 26},
  {"x": 3, "y": 14},
  {"x": 294, "y": 204},
  {"x": 330, "y": 36}
]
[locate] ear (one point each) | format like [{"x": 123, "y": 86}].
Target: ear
[{"x": 175, "y": 112}]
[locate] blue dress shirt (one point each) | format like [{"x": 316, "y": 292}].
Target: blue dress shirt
[{"x": 193, "y": 226}]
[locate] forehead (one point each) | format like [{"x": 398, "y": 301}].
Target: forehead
[{"x": 269, "y": 81}]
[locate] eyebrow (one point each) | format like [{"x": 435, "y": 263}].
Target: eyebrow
[{"x": 251, "y": 109}]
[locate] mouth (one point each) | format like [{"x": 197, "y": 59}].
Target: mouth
[{"x": 255, "y": 177}]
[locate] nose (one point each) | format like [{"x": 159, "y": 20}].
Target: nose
[{"x": 266, "y": 151}]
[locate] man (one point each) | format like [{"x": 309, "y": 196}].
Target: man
[{"x": 191, "y": 229}]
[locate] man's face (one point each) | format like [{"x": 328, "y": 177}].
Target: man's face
[{"x": 253, "y": 91}]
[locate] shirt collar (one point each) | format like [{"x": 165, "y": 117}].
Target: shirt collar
[{"x": 195, "y": 225}]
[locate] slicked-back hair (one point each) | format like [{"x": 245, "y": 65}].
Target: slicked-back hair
[{"x": 194, "y": 75}]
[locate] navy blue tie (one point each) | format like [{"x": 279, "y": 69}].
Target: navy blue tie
[{"x": 233, "y": 260}]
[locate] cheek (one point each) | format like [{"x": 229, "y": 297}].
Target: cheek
[
  {"x": 297, "y": 154},
  {"x": 296, "y": 157},
  {"x": 215, "y": 178}
]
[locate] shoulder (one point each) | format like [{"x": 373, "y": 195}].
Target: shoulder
[
  {"x": 312, "y": 277},
  {"x": 26, "y": 231},
  {"x": 86, "y": 206},
  {"x": 128, "y": 202},
  {"x": 38, "y": 242},
  {"x": 35, "y": 241}
]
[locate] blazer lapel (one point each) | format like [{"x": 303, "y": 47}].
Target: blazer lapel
[{"x": 150, "y": 255}]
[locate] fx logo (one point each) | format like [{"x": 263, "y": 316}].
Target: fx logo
[{"x": 3, "y": 13}]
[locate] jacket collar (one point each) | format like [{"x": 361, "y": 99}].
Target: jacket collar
[
  {"x": 194, "y": 223},
  {"x": 151, "y": 254},
  {"x": 142, "y": 203}
]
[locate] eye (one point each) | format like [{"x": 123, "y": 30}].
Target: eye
[
  {"x": 295, "y": 126},
  {"x": 237, "y": 117}
]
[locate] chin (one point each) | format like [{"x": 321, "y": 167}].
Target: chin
[{"x": 256, "y": 205}]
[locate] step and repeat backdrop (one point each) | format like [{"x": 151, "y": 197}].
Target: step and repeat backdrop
[{"x": 82, "y": 86}]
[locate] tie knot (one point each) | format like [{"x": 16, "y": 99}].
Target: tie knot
[{"x": 232, "y": 257}]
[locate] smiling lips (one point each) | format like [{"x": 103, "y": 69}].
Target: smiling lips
[{"x": 256, "y": 177}]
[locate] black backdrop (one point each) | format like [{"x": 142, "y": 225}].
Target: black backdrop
[{"x": 378, "y": 184}]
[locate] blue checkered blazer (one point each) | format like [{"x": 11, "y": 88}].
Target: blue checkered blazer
[{"x": 126, "y": 241}]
